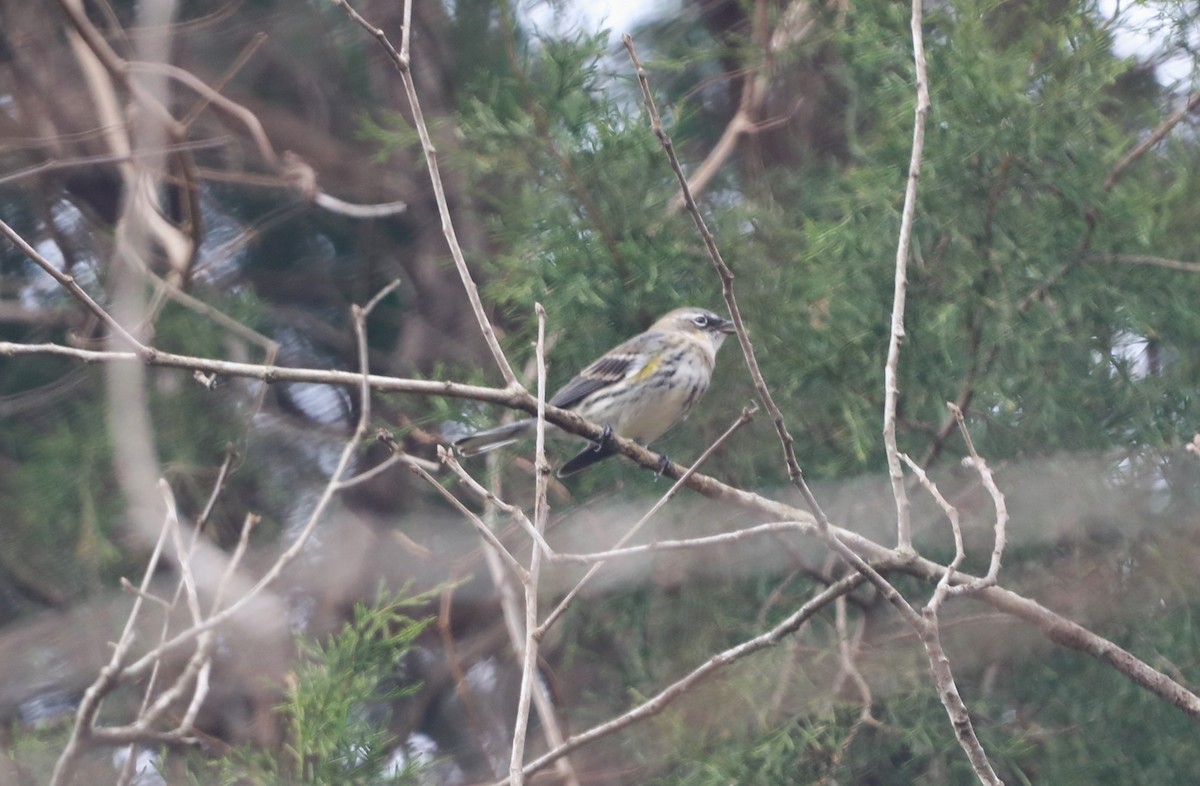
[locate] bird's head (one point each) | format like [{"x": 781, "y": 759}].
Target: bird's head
[{"x": 698, "y": 322}]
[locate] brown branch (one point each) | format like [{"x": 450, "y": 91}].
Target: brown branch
[
  {"x": 1155, "y": 136},
  {"x": 795, "y": 23},
  {"x": 663, "y": 699},
  {"x": 1052, "y": 625},
  {"x": 743, "y": 419},
  {"x": 1091, "y": 214},
  {"x": 401, "y": 61},
  {"x": 1141, "y": 259},
  {"x": 726, "y": 275}
]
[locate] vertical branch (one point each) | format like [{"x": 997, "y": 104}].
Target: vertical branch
[
  {"x": 929, "y": 628},
  {"x": 530, "y": 648},
  {"x": 89, "y": 707},
  {"x": 891, "y": 391},
  {"x": 1000, "y": 529},
  {"x": 401, "y": 61}
]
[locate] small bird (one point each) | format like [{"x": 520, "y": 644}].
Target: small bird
[{"x": 637, "y": 390}]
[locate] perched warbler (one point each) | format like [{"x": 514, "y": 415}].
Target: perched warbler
[{"x": 637, "y": 390}]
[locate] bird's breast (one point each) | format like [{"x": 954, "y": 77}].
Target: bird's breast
[{"x": 659, "y": 398}]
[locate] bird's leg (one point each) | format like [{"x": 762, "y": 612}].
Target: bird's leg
[
  {"x": 606, "y": 438},
  {"x": 664, "y": 463}
]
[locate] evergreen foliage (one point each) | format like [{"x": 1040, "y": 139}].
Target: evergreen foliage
[
  {"x": 336, "y": 707},
  {"x": 1031, "y": 302}
]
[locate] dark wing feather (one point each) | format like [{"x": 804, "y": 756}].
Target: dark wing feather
[{"x": 617, "y": 364}]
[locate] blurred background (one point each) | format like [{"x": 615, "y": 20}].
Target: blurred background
[{"x": 1053, "y": 289}]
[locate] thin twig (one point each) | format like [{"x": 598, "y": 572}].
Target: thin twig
[
  {"x": 53, "y": 165},
  {"x": 702, "y": 542},
  {"x": 951, "y": 512},
  {"x": 483, "y": 529},
  {"x": 1142, "y": 259},
  {"x": 726, "y": 275},
  {"x": 513, "y": 511},
  {"x": 743, "y": 419},
  {"x": 998, "y": 502},
  {"x": 1054, "y": 626},
  {"x": 401, "y": 61},
  {"x": 398, "y": 457},
  {"x": 661, "y": 700},
  {"x": 1152, "y": 139},
  {"x": 69, "y": 283},
  {"x": 89, "y": 707},
  {"x": 529, "y": 650}
]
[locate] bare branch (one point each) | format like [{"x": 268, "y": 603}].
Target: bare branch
[
  {"x": 1152, "y": 139},
  {"x": 706, "y": 541},
  {"x": 529, "y": 649},
  {"x": 71, "y": 285},
  {"x": 1141, "y": 259},
  {"x": 89, "y": 707},
  {"x": 960, "y": 718},
  {"x": 1000, "y": 528},
  {"x": 743, "y": 419},
  {"x": 666, "y": 696},
  {"x": 794, "y": 24},
  {"x": 483, "y": 529},
  {"x": 400, "y": 60},
  {"x": 943, "y": 585},
  {"x": 726, "y": 275},
  {"x": 891, "y": 388}
]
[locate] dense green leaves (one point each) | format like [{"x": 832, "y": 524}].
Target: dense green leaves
[{"x": 1038, "y": 298}]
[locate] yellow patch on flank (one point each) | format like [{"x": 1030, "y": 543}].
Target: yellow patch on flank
[{"x": 647, "y": 370}]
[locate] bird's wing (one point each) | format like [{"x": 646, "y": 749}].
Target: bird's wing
[{"x": 619, "y": 363}]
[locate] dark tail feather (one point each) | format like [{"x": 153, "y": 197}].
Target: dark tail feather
[
  {"x": 494, "y": 438},
  {"x": 585, "y": 458}
]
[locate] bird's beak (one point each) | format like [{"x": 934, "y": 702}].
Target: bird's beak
[{"x": 726, "y": 326}]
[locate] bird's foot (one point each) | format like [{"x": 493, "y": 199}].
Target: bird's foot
[
  {"x": 664, "y": 463},
  {"x": 605, "y": 441}
]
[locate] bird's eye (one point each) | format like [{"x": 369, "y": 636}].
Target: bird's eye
[{"x": 700, "y": 321}]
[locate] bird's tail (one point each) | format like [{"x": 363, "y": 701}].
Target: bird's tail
[
  {"x": 586, "y": 458},
  {"x": 483, "y": 441}
]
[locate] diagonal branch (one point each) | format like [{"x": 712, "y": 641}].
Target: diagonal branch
[{"x": 663, "y": 699}]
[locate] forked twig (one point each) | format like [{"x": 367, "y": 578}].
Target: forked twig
[{"x": 89, "y": 707}]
